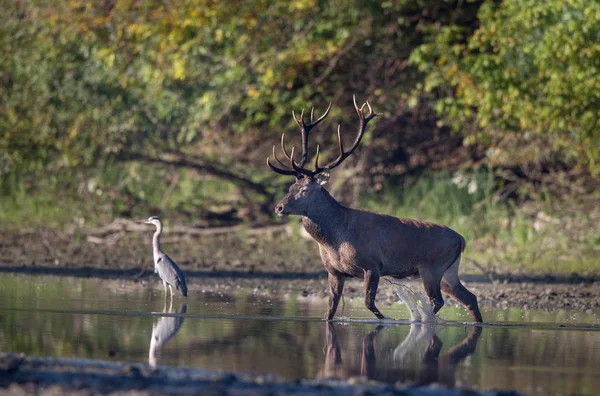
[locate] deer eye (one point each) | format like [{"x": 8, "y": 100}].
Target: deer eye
[{"x": 303, "y": 191}]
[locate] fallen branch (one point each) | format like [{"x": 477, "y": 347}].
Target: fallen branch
[{"x": 110, "y": 233}]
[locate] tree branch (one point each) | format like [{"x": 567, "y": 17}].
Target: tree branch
[{"x": 211, "y": 169}]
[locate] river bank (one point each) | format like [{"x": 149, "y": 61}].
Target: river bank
[{"x": 273, "y": 260}]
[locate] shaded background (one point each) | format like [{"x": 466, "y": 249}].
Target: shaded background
[{"x": 126, "y": 109}]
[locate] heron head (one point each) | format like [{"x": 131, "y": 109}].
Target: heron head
[{"x": 153, "y": 220}]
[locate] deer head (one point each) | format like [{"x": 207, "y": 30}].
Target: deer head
[{"x": 307, "y": 189}]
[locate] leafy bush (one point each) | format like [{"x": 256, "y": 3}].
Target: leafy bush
[{"x": 526, "y": 82}]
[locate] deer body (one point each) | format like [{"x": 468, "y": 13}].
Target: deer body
[
  {"x": 397, "y": 247},
  {"x": 362, "y": 244}
]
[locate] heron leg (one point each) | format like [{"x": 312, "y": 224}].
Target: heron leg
[
  {"x": 165, "y": 286},
  {"x": 171, "y": 288}
]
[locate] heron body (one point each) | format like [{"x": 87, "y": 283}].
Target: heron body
[{"x": 167, "y": 270}]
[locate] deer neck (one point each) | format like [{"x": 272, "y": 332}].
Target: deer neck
[{"x": 325, "y": 219}]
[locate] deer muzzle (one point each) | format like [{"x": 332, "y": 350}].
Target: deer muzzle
[
  {"x": 279, "y": 209},
  {"x": 283, "y": 207}
]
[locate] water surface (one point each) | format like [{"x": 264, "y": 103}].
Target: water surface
[{"x": 244, "y": 331}]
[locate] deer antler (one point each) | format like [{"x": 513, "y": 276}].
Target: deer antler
[
  {"x": 305, "y": 130},
  {"x": 297, "y": 168},
  {"x": 361, "y": 131}
]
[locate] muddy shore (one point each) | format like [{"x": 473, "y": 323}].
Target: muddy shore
[
  {"x": 270, "y": 265},
  {"x": 268, "y": 262}
]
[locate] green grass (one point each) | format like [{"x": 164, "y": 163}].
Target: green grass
[
  {"x": 133, "y": 190},
  {"x": 541, "y": 235}
]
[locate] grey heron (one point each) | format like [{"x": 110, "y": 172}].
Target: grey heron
[{"x": 167, "y": 270}]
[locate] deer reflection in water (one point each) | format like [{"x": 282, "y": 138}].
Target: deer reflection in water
[
  {"x": 416, "y": 361},
  {"x": 164, "y": 330}
]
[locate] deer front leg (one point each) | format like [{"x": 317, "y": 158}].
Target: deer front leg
[
  {"x": 336, "y": 287},
  {"x": 371, "y": 285}
]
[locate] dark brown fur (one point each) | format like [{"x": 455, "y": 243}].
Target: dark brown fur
[{"x": 362, "y": 244}]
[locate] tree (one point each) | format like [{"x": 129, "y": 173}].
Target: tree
[
  {"x": 89, "y": 84},
  {"x": 525, "y": 82}
]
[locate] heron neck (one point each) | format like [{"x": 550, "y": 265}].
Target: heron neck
[{"x": 156, "y": 240}]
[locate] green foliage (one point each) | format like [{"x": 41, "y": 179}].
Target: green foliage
[
  {"x": 526, "y": 82},
  {"x": 82, "y": 83},
  {"x": 117, "y": 190},
  {"x": 99, "y": 101},
  {"x": 87, "y": 87}
]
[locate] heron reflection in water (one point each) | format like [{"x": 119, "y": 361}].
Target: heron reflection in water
[
  {"x": 416, "y": 361},
  {"x": 164, "y": 330}
]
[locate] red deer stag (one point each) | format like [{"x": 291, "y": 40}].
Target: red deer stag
[{"x": 357, "y": 243}]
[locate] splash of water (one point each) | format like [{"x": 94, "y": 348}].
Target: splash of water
[{"x": 418, "y": 307}]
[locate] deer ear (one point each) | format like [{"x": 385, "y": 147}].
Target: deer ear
[{"x": 323, "y": 177}]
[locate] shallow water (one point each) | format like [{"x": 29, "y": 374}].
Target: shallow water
[{"x": 249, "y": 331}]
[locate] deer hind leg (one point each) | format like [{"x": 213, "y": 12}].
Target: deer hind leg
[
  {"x": 452, "y": 286},
  {"x": 336, "y": 287},
  {"x": 431, "y": 283},
  {"x": 371, "y": 285}
]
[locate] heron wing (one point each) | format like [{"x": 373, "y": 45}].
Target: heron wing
[{"x": 169, "y": 271}]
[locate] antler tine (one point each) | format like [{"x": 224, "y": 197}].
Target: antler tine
[
  {"x": 306, "y": 128},
  {"x": 339, "y": 136},
  {"x": 322, "y": 117},
  {"x": 340, "y": 156},
  {"x": 281, "y": 171},
  {"x": 283, "y": 147},
  {"x": 292, "y": 161},
  {"x": 277, "y": 159},
  {"x": 361, "y": 131},
  {"x": 285, "y": 170},
  {"x": 371, "y": 115},
  {"x": 297, "y": 168},
  {"x": 359, "y": 110},
  {"x": 369, "y": 107},
  {"x": 299, "y": 121},
  {"x": 300, "y": 170}
]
